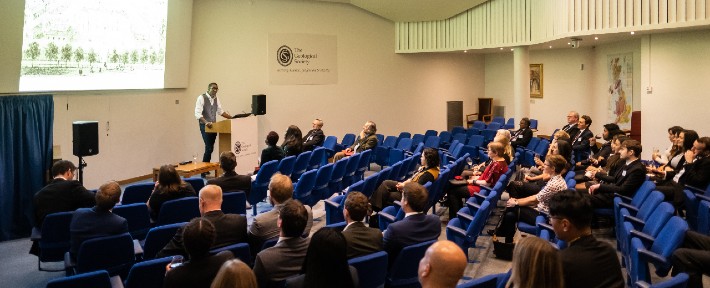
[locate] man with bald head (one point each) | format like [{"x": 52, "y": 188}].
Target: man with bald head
[
  {"x": 442, "y": 266},
  {"x": 230, "y": 228}
]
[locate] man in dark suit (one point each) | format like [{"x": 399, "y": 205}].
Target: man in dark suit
[
  {"x": 231, "y": 181},
  {"x": 627, "y": 180},
  {"x": 62, "y": 194},
  {"x": 99, "y": 221},
  {"x": 229, "y": 228},
  {"x": 362, "y": 240},
  {"x": 571, "y": 126},
  {"x": 285, "y": 259},
  {"x": 522, "y": 137},
  {"x": 442, "y": 265},
  {"x": 416, "y": 227},
  {"x": 695, "y": 172},
  {"x": 315, "y": 137},
  {"x": 580, "y": 141}
]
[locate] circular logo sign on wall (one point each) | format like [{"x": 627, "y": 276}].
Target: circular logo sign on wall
[{"x": 284, "y": 55}]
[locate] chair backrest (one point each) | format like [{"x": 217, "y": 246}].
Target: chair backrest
[
  {"x": 317, "y": 158},
  {"x": 321, "y": 189},
  {"x": 458, "y": 129},
  {"x": 330, "y": 142},
  {"x": 403, "y": 135},
  {"x": 196, "y": 182},
  {"x": 96, "y": 279},
  {"x": 642, "y": 193},
  {"x": 649, "y": 205},
  {"x": 148, "y": 274},
  {"x": 93, "y": 254},
  {"x": 494, "y": 126},
  {"x": 432, "y": 142},
  {"x": 389, "y": 141},
  {"x": 658, "y": 219},
  {"x": 137, "y": 216},
  {"x": 404, "y": 269},
  {"x": 533, "y": 123},
  {"x": 461, "y": 137},
  {"x": 240, "y": 251},
  {"x": 413, "y": 163},
  {"x": 261, "y": 183},
  {"x": 369, "y": 187},
  {"x": 419, "y": 148},
  {"x": 417, "y": 138},
  {"x": 479, "y": 220},
  {"x": 542, "y": 146},
  {"x": 533, "y": 143},
  {"x": 405, "y": 144},
  {"x": 301, "y": 165},
  {"x": 498, "y": 119},
  {"x": 350, "y": 169},
  {"x": 285, "y": 166},
  {"x": 670, "y": 238},
  {"x": 445, "y": 136},
  {"x": 336, "y": 178},
  {"x": 371, "y": 269},
  {"x": 137, "y": 193},
  {"x": 348, "y": 140},
  {"x": 234, "y": 202},
  {"x": 396, "y": 168},
  {"x": 303, "y": 189},
  {"x": 56, "y": 237},
  {"x": 363, "y": 164},
  {"x": 158, "y": 237},
  {"x": 475, "y": 140},
  {"x": 571, "y": 183},
  {"x": 510, "y": 124},
  {"x": 703, "y": 218},
  {"x": 383, "y": 175},
  {"x": 480, "y": 125},
  {"x": 179, "y": 210},
  {"x": 488, "y": 134}
]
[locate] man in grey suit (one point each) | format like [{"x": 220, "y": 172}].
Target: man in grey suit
[
  {"x": 285, "y": 259},
  {"x": 362, "y": 240},
  {"x": 264, "y": 226}
]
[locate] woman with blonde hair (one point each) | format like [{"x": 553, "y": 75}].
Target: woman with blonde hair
[
  {"x": 234, "y": 274},
  {"x": 535, "y": 264},
  {"x": 503, "y": 137}
]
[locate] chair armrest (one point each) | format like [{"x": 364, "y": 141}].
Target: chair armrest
[
  {"x": 397, "y": 203},
  {"x": 137, "y": 248},
  {"x": 473, "y": 206},
  {"x": 695, "y": 189},
  {"x": 634, "y": 221},
  {"x": 457, "y": 230},
  {"x": 546, "y": 226},
  {"x": 386, "y": 216},
  {"x": 652, "y": 257},
  {"x": 629, "y": 207},
  {"x": 331, "y": 203},
  {"x": 69, "y": 264},
  {"x": 624, "y": 199},
  {"x": 645, "y": 238},
  {"x": 36, "y": 234},
  {"x": 478, "y": 196},
  {"x": 464, "y": 216},
  {"x": 702, "y": 197},
  {"x": 642, "y": 284}
]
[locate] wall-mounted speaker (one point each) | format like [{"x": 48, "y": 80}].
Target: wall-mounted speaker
[
  {"x": 85, "y": 138},
  {"x": 258, "y": 104}
]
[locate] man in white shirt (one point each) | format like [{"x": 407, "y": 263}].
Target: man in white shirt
[{"x": 207, "y": 108}]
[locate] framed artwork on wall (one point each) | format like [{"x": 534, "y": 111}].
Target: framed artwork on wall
[{"x": 536, "y": 80}]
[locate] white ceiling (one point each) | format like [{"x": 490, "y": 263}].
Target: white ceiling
[{"x": 414, "y": 10}]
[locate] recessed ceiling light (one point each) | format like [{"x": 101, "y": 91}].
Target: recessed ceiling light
[
  {"x": 511, "y": 49},
  {"x": 465, "y": 51},
  {"x": 550, "y": 47},
  {"x": 596, "y": 38},
  {"x": 569, "y": 43},
  {"x": 632, "y": 32},
  {"x": 501, "y": 48}
]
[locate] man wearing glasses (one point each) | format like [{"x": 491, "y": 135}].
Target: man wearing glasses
[{"x": 315, "y": 137}]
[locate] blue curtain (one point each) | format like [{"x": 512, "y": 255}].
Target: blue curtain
[{"x": 26, "y": 125}]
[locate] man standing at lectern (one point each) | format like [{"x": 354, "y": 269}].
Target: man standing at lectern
[{"x": 206, "y": 110}]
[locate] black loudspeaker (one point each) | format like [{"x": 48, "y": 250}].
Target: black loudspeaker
[
  {"x": 258, "y": 104},
  {"x": 85, "y": 138}
]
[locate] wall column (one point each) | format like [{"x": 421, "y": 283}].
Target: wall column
[{"x": 521, "y": 83}]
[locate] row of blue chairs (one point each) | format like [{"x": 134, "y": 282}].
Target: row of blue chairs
[{"x": 140, "y": 193}]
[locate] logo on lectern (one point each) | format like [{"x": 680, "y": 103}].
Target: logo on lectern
[{"x": 237, "y": 147}]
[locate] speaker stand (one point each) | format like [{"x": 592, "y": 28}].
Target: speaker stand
[{"x": 82, "y": 164}]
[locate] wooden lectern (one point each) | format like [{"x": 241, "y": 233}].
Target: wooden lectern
[{"x": 224, "y": 134}]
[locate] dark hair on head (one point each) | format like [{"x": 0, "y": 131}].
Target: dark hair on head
[
  {"x": 557, "y": 162},
  {"x": 612, "y": 130},
  {"x": 372, "y": 127},
  {"x": 416, "y": 195},
  {"x": 108, "y": 195},
  {"x": 689, "y": 139},
  {"x": 705, "y": 141},
  {"x": 210, "y": 85},
  {"x": 293, "y": 138},
  {"x": 62, "y": 166},
  {"x": 564, "y": 149},
  {"x": 294, "y": 218},
  {"x": 526, "y": 120},
  {"x": 675, "y": 130},
  {"x": 431, "y": 156},
  {"x": 272, "y": 138},
  {"x": 169, "y": 179},
  {"x": 326, "y": 262},
  {"x": 573, "y": 206},
  {"x": 356, "y": 204},
  {"x": 633, "y": 145},
  {"x": 620, "y": 137},
  {"x": 587, "y": 120},
  {"x": 228, "y": 161},
  {"x": 197, "y": 237}
]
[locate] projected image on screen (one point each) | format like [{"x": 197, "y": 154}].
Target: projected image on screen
[{"x": 93, "y": 45}]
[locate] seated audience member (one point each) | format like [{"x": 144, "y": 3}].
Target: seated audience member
[
  {"x": 198, "y": 237},
  {"x": 231, "y": 181},
  {"x": 293, "y": 141},
  {"x": 315, "y": 137},
  {"x": 586, "y": 262},
  {"x": 528, "y": 208},
  {"x": 662, "y": 157},
  {"x": 695, "y": 172},
  {"x": 535, "y": 264},
  {"x": 285, "y": 259},
  {"x": 571, "y": 126},
  {"x": 536, "y": 177},
  {"x": 326, "y": 263},
  {"x": 390, "y": 191},
  {"x": 442, "y": 265},
  {"x": 416, "y": 227},
  {"x": 271, "y": 152},
  {"x": 99, "y": 221},
  {"x": 62, "y": 194},
  {"x": 361, "y": 240},
  {"x": 600, "y": 153},
  {"x": 229, "y": 228},
  {"x": 522, "y": 137},
  {"x": 560, "y": 135},
  {"x": 595, "y": 175},
  {"x": 693, "y": 258},
  {"x": 365, "y": 141},
  {"x": 168, "y": 187},
  {"x": 235, "y": 274},
  {"x": 488, "y": 178},
  {"x": 503, "y": 137},
  {"x": 684, "y": 143},
  {"x": 627, "y": 180},
  {"x": 580, "y": 141},
  {"x": 264, "y": 226}
]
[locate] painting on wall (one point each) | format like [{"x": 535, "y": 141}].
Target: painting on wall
[
  {"x": 535, "y": 80},
  {"x": 620, "y": 69}
]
